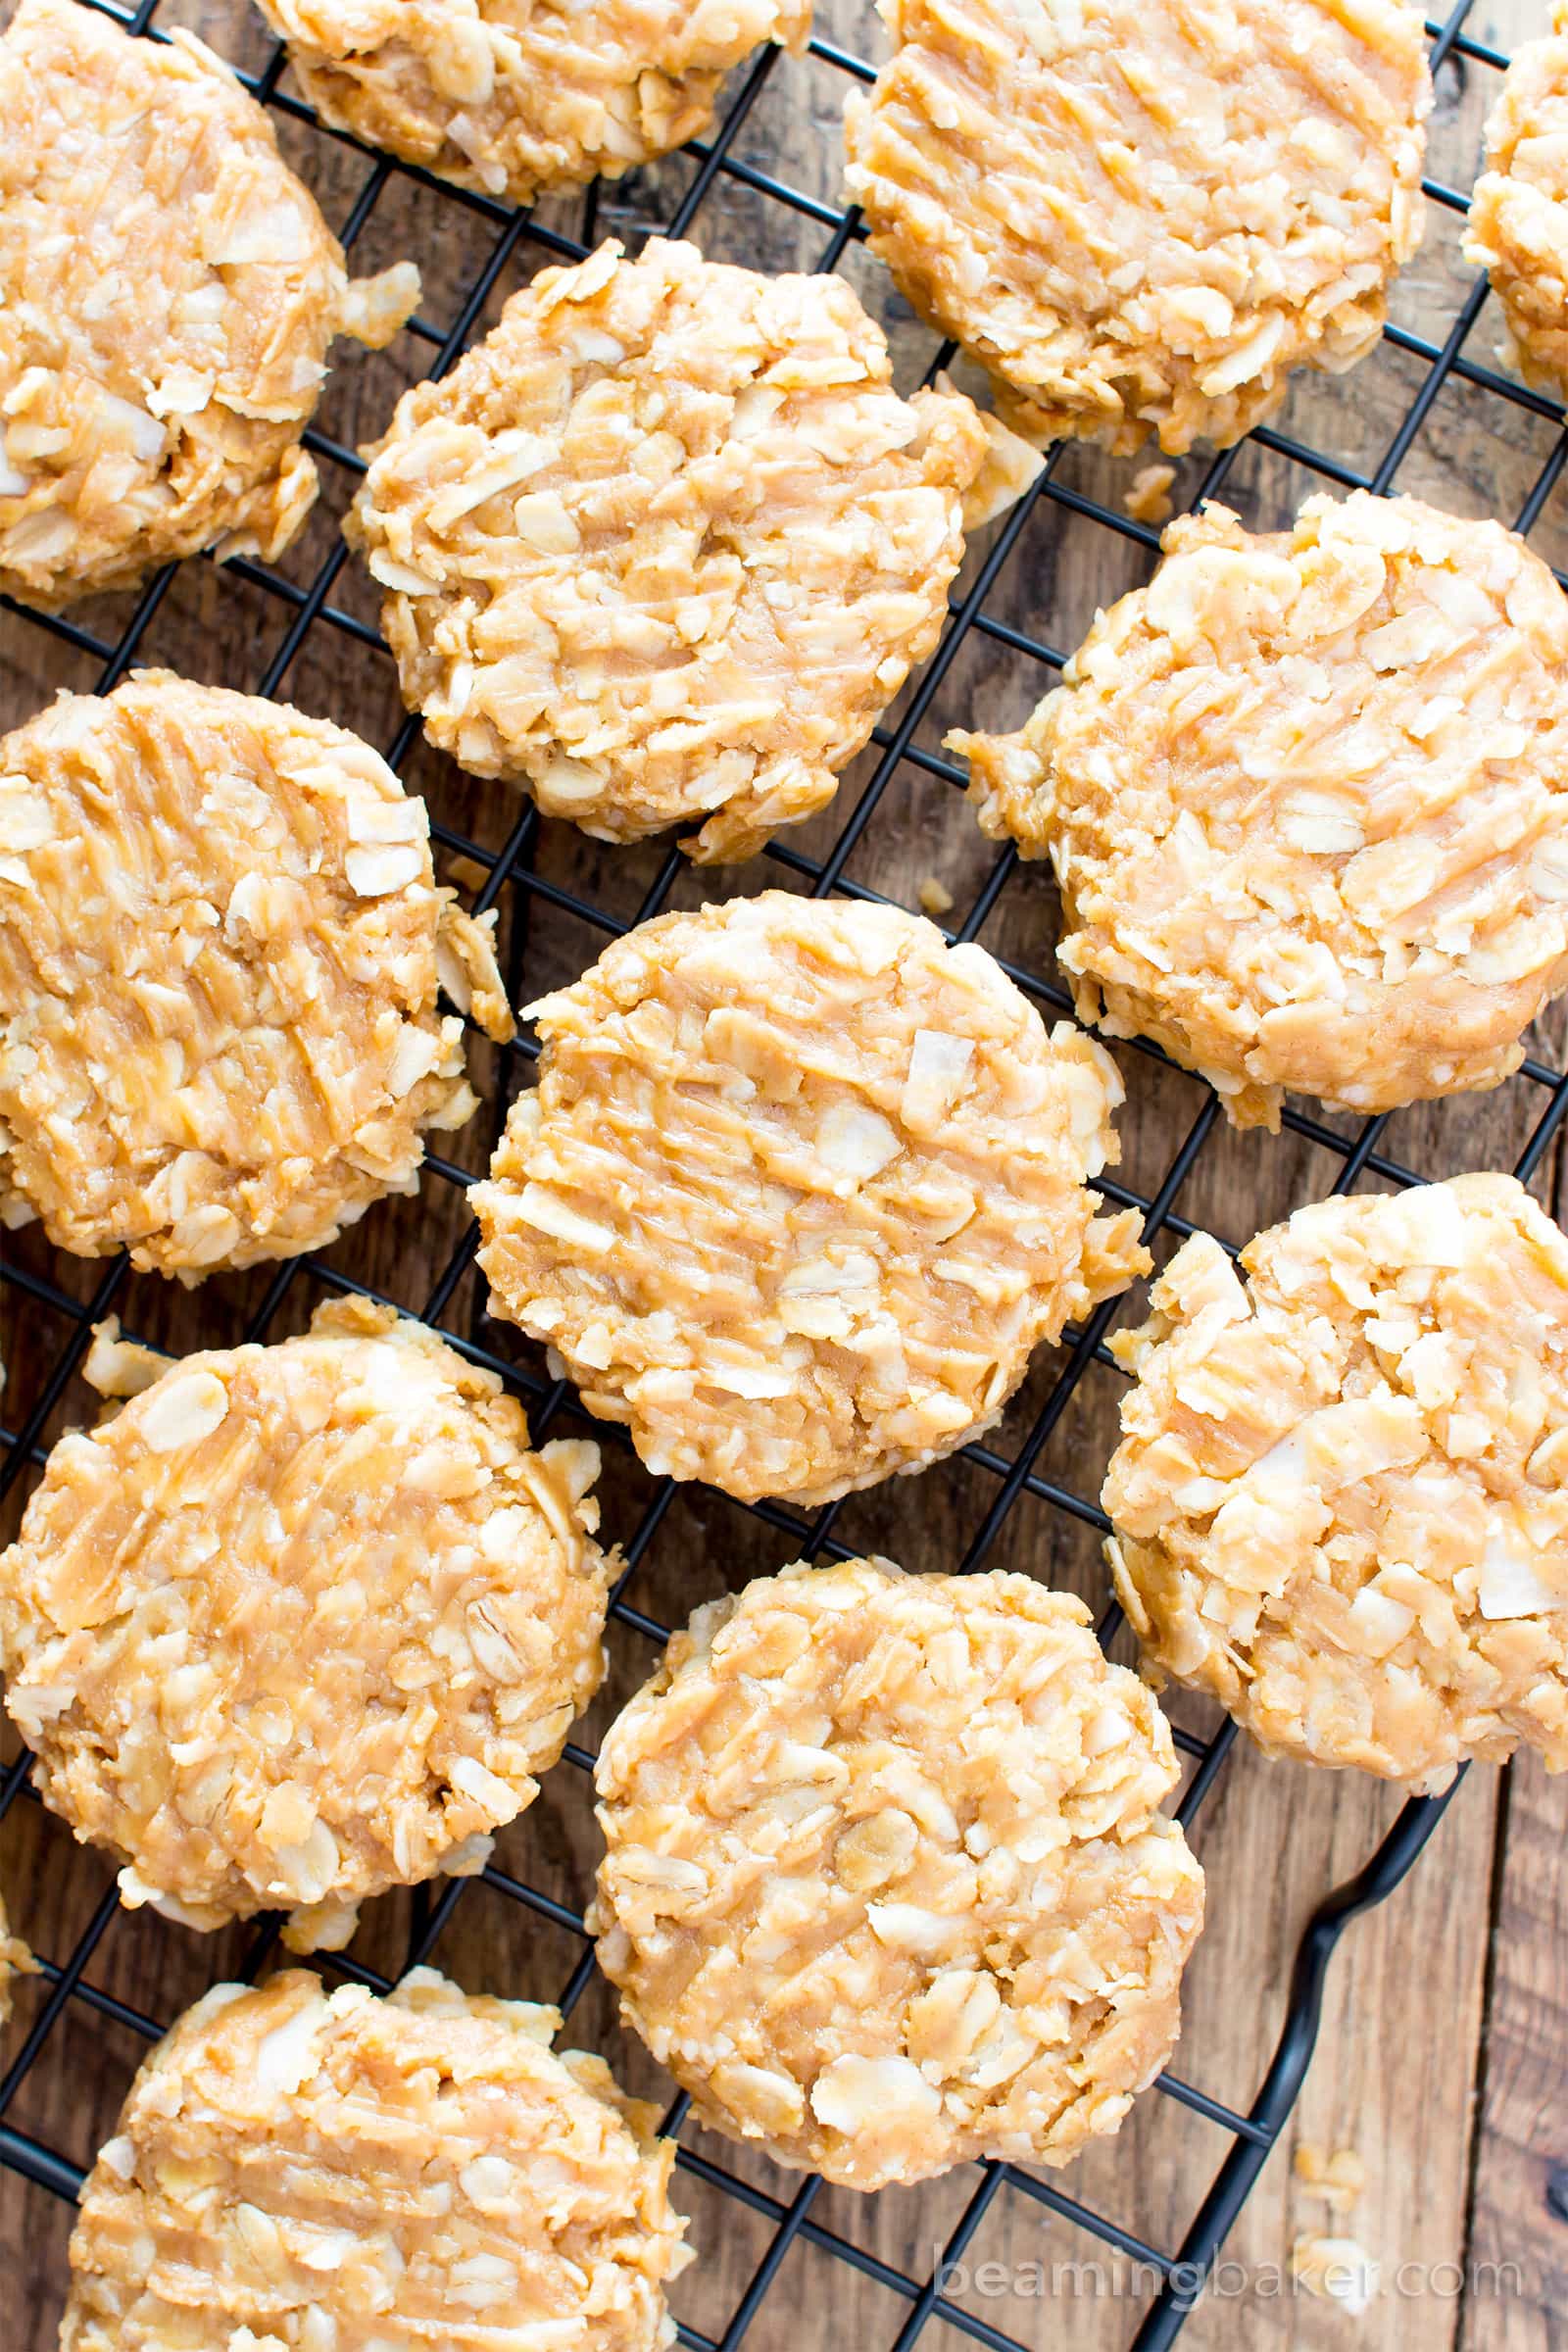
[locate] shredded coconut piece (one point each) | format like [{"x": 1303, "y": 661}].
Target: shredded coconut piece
[
  {"x": 1518, "y": 224},
  {"x": 509, "y": 97},
  {"x": 300, "y": 1622},
  {"x": 298, "y": 2172},
  {"x": 1305, "y": 796},
  {"x": 886, "y": 1886},
  {"x": 168, "y": 293},
  {"x": 796, "y": 1247},
  {"x": 1341, "y": 1498},
  {"x": 1138, "y": 215},
  {"x": 220, "y": 943},
  {"x": 663, "y": 546}
]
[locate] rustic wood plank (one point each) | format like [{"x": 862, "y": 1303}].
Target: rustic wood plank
[
  {"x": 1517, "y": 2290},
  {"x": 1272, "y": 1839}
]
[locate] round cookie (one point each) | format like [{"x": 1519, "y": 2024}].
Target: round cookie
[
  {"x": 886, "y": 1887},
  {"x": 168, "y": 293},
  {"x": 301, "y": 1622},
  {"x": 324, "y": 2172},
  {"x": 1341, "y": 1498},
  {"x": 1139, "y": 216},
  {"x": 1518, "y": 224},
  {"x": 799, "y": 1191},
  {"x": 221, "y": 943},
  {"x": 510, "y": 97},
  {"x": 662, "y": 546},
  {"x": 1305, "y": 799}
]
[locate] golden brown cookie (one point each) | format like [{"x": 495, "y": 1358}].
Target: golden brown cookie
[
  {"x": 664, "y": 545},
  {"x": 303, "y": 1622},
  {"x": 1138, "y": 214},
  {"x": 299, "y": 2172},
  {"x": 1341, "y": 1498},
  {"x": 168, "y": 293},
  {"x": 510, "y": 97},
  {"x": 1518, "y": 224},
  {"x": 221, "y": 945},
  {"x": 886, "y": 1885},
  {"x": 1306, "y": 796},
  {"x": 799, "y": 1190}
]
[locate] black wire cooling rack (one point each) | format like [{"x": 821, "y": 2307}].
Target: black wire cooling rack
[{"x": 73, "y": 2004}]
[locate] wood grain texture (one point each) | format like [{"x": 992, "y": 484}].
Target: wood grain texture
[
  {"x": 1516, "y": 2298},
  {"x": 1402, "y": 2042}
]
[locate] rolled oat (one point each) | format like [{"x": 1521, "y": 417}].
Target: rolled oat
[{"x": 15, "y": 1960}]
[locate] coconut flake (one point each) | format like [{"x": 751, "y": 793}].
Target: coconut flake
[{"x": 1511, "y": 1584}]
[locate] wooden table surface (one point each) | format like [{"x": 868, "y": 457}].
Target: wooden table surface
[{"x": 1443, "y": 2053}]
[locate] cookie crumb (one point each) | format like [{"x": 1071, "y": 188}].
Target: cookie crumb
[
  {"x": 1339, "y": 2268},
  {"x": 935, "y": 896},
  {"x": 1337, "y": 2179},
  {"x": 467, "y": 873},
  {"x": 14, "y": 1961},
  {"x": 1147, "y": 497},
  {"x": 119, "y": 1368}
]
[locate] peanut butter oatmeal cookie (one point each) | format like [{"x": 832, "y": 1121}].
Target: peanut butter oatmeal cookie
[
  {"x": 513, "y": 96},
  {"x": 886, "y": 1885},
  {"x": 799, "y": 1190},
  {"x": 302, "y": 2171},
  {"x": 1518, "y": 224},
  {"x": 1341, "y": 1498},
  {"x": 220, "y": 943},
  {"x": 1141, "y": 216},
  {"x": 168, "y": 293},
  {"x": 303, "y": 1622},
  {"x": 663, "y": 546},
  {"x": 1306, "y": 797}
]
